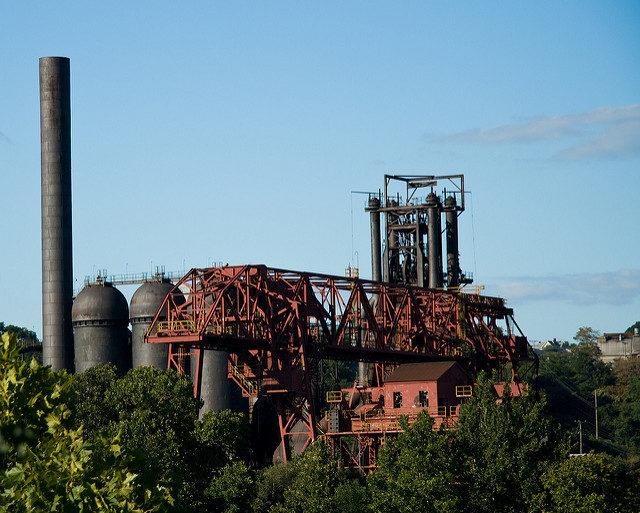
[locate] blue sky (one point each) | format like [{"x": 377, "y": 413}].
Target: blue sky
[{"x": 235, "y": 131}]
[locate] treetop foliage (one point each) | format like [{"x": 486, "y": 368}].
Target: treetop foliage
[
  {"x": 22, "y": 334},
  {"x": 594, "y": 482},
  {"x": 586, "y": 335},
  {"x": 97, "y": 441},
  {"x": 49, "y": 466}
]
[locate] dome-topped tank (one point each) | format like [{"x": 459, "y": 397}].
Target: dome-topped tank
[
  {"x": 100, "y": 317},
  {"x": 144, "y": 305}
]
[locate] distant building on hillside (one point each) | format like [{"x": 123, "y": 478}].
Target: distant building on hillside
[
  {"x": 551, "y": 345},
  {"x": 619, "y": 345},
  {"x": 547, "y": 344}
]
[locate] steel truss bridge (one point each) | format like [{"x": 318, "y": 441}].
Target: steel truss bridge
[{"x": 277, "y": 325}]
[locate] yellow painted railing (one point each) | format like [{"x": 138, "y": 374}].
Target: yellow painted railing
[
  {"x": 473, "y": 289},
  {"x": 250, "y": 387},
  {"x": 181, "y": 325}
]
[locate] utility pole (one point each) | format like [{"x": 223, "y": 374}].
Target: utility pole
[
  {"x": 595, "y": 396},
  {"x": 580, "y": 430}
]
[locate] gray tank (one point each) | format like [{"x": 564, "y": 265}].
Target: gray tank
[
  {"x": 100, "y": 317},
  {"x": 144, "y": 305},
  {"x": 217, "y": 391}
]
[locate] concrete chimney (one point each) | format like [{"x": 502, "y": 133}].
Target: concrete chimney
[{"x": 57, "y": 272}]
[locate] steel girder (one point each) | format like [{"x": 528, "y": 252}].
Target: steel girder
[{"x": 278, "y": 324}]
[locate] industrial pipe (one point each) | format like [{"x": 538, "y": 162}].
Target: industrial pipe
[
  {"x": 434, "y": 241},
  {"x": 453, "y": 263}
]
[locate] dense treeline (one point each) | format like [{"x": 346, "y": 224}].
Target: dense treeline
[
  {"x": 23, "y": 335},
  {"x": 571, "y": 375},
  {"x": 100, "y": 442}
]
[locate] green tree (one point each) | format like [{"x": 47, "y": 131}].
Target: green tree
[
  {"x": 627, "y": 421},
  {"x": 504, "y": 447},
  {"x": 232, "y": 489},
  {"x": 586, "y": 335},
  {"x": 22, "y": 334},
  {"x": 47, "y": 466},
  {"x": 311, "y": 483},
  {"x": 419, "y": 473},
  {"x": 587, "y": 371},
  {"x": 61, "y": 473},
  {"x": 595, "y": 483},
  {"x": 224, "y": 436},
  {"x": 28, "y": 394},
  {"x": 271, "y": 483},
  {"x": 156, "y": 416},
  {"x": 570, "y": 378},
  {"x": 223, "y": 439},
  {"x": 155, "y": 413},
  {"x": 90, "y": 407}
]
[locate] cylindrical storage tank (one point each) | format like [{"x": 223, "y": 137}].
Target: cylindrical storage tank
[
  {"x": 100, "y": 317},
  {"x": 217, "y": 391},
  {"x": 57, "y": 273},
  {"x": 144, "y": 305}
]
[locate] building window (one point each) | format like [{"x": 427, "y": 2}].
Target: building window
[
  {"x": 397, "y": 399},
  {"x": 423, "y": 399},
  {"x": 464, "y": 391}
]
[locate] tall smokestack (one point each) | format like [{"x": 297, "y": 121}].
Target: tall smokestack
[{"x": 57, "y": 272}]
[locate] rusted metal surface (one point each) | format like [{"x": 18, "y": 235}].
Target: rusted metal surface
[
  {"x": 369, "y": 417},
  {"x": 277, "y": 325}
]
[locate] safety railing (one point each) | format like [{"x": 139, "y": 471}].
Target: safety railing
[
  {"x": 475, "y": 290},
  {"x": 249, "y": 386},
  {"x": 377, "y": 425},
  {"x": 173, "y": 326},
  {"x": 472, "y": 289}
]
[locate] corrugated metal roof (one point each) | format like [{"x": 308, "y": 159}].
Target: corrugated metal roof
[{"x": 424, "y": 371}]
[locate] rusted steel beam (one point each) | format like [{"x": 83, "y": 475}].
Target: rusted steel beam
[{"x": 278, "y": 324}]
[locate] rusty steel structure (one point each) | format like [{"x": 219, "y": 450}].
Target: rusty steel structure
[{"x": 277, "y": 325}]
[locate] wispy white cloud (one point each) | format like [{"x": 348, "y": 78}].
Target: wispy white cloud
[
  {"x": 601, "y": 132},
  {"x": 614, "y": 288}
]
